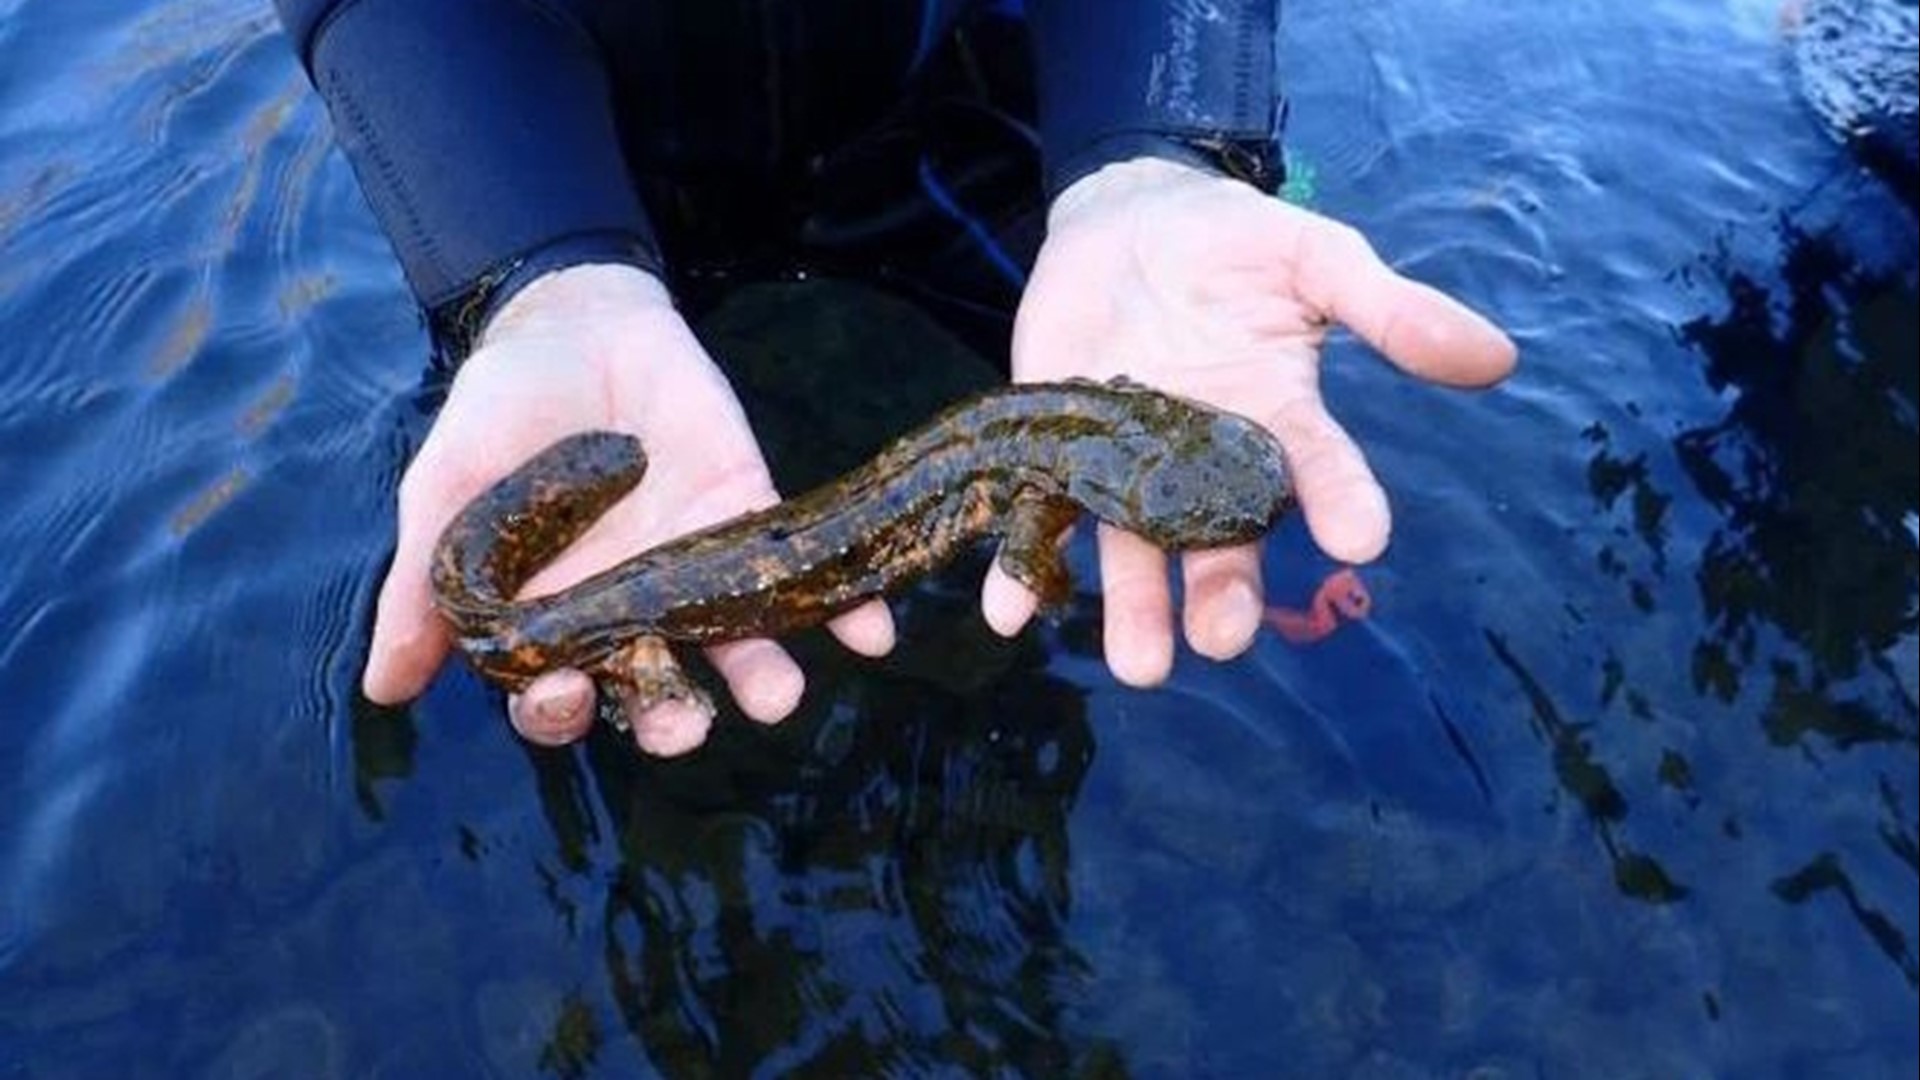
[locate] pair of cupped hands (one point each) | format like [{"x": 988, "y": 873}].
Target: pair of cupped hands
[{"x": 1194, "y": 284}]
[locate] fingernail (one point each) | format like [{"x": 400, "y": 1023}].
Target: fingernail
[
  {"x": 774, "y": 694},
  {"x": 1229, "y": 623},
  {"x": 1140, "y": 658},
  {"x": 671, "y": 729},
  {"x": 549, "y": 707},
  {"x": 1005, "y": 604},
  {"x": 376, "y": 679}
]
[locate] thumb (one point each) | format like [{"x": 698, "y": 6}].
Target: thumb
[{"x": 410, "y": 640}]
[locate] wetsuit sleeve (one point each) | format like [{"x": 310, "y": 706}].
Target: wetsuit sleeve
[
  {"x": 482, "y": 132},
  {"x": 1189, "y": 80}
]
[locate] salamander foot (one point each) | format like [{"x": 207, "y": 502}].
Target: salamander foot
[
  {"x": 1030, "y": 554},
  {"x": 644, "y": 674}
]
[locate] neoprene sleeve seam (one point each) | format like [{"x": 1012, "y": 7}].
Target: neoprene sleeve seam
[
  {"x": 484, "y": 134},
  {"x": 390, "y": 177}
]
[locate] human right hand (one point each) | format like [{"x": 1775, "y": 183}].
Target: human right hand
[{"x": 590, "y": 347}]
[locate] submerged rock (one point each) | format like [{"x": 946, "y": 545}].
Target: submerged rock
[{"x": 1855, "y": 60}]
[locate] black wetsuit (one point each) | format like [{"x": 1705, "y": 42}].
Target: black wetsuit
[{"x": 910, "y": 140}]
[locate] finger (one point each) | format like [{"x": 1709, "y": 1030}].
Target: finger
[
  {"x": 555, "y": 709},
  {"x": 1345, "y": 507},
  {"x": 1421, "y": 329},
  {"x": 1139, "y": 608},
  {"x": 1006, "y": 604},
  {"x": 410, "y": 640},
  {"x": 867, "y": 629},
  {"x": 761, "y": 676},
  {"x": 670, "y": 728},
  {"x": 1223, "y": 600}
]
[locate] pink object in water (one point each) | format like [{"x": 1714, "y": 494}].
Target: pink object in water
[{"x": 1342, "y": 594}]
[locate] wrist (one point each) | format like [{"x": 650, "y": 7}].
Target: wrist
[
  {"x": 583, "y": 294},
  {"x": 1117, "y": 181}
]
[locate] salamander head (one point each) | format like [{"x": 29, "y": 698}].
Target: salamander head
[{"x": 1221, "y": 479}]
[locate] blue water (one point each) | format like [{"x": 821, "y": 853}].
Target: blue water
[{"x": 1618, "y": 779}]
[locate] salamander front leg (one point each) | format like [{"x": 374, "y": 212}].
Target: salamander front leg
[
  {"x": 644, "y": 674},
  {"x": 1030, "y": 554}
]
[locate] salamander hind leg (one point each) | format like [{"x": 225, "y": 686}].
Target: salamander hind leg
[
  {"x": 644, "y": 674},
  {"x": 1030, "y": 553}
]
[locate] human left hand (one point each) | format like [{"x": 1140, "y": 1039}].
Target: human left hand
[{"x": 1204, "y": 287}]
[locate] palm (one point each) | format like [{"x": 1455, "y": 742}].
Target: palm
[
  {"x": 498, "y": 416},
  {"x": 1193, "y": 288},
  {"x": 1206, "y": 288}
]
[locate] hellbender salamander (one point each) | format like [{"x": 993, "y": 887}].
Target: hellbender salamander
[{"x": 1021, "y": 463}]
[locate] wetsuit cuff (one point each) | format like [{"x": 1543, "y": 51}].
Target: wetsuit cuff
[
  {"x": 1195, "y": 83},
  {"x": 459, "y": 323},
  {"x": 489, "y": 154},
  {"x": 1258, "y": 162}
]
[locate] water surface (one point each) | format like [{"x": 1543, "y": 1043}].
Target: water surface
[{"x": 1617, "y": 779}]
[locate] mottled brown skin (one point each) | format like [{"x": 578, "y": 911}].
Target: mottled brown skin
[{"x": 1021, "y": 463}]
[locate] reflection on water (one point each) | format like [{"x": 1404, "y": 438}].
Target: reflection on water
[
  {"x": 1810, "y": 581},
  {"x": 1608, "y": 768},
  {"x": 882, "y": 884},
  {"x": 888, "y": 896},
  {"x": 1813, "y": 470},
  {"x": 1635, "y": 874},
  {"x": 1807, "y": 581}
]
